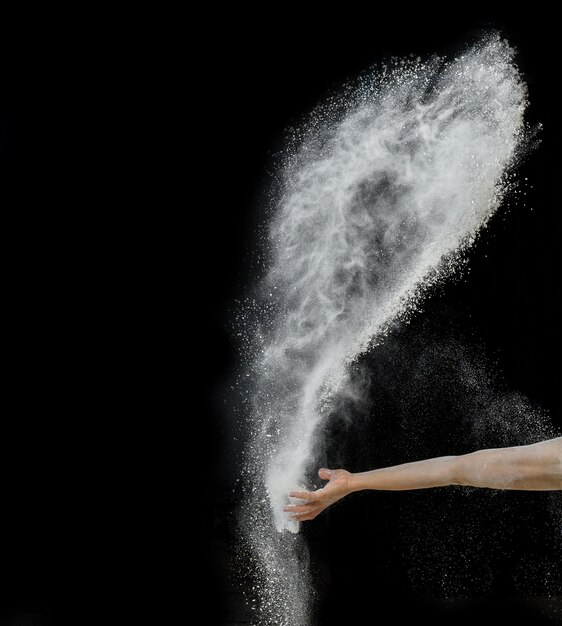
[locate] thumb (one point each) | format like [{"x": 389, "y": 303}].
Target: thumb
[{"x": 325, "y": 474}]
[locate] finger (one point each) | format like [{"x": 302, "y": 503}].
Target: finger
[
  {"x": 295, "y": 508},
  {"x": 304, "y": 517},
  {"x": 310, "y": 510},
  {"x": 299, "y": 508},
  {"x": 304, "y": 495},
  {"x": 325, "y": 474}
]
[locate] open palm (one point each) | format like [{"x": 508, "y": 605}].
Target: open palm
[{"x": 316, "y": 501}]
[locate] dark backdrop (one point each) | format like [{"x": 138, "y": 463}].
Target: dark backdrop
[{"x": 135, "y": 154}]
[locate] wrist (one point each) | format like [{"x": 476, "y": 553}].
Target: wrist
[{"x": 354, "y": 483}]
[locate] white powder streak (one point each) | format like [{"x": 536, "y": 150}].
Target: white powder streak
[{"x": 376, "y": 205}]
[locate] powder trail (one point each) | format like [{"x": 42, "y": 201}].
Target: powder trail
[{"x": 390, "y": 182}]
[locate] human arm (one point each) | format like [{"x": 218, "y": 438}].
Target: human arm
[{"x": 534, "y": 467}]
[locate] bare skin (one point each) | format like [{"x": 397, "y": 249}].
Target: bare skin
[{"x": 536, "y": 467}]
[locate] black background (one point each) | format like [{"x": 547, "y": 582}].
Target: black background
[
  {"x": 135, "y": 158},
  {"x": 264, "y": 79}
]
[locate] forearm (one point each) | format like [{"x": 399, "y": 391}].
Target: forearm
[
  {"x": 534, "y": 467},
  {"x": 437, "y": 472}
]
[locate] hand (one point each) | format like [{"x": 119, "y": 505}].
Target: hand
[{"x": 316, "y": 501}]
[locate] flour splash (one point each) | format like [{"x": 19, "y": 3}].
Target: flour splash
[{"x": 388, "y": 184}]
